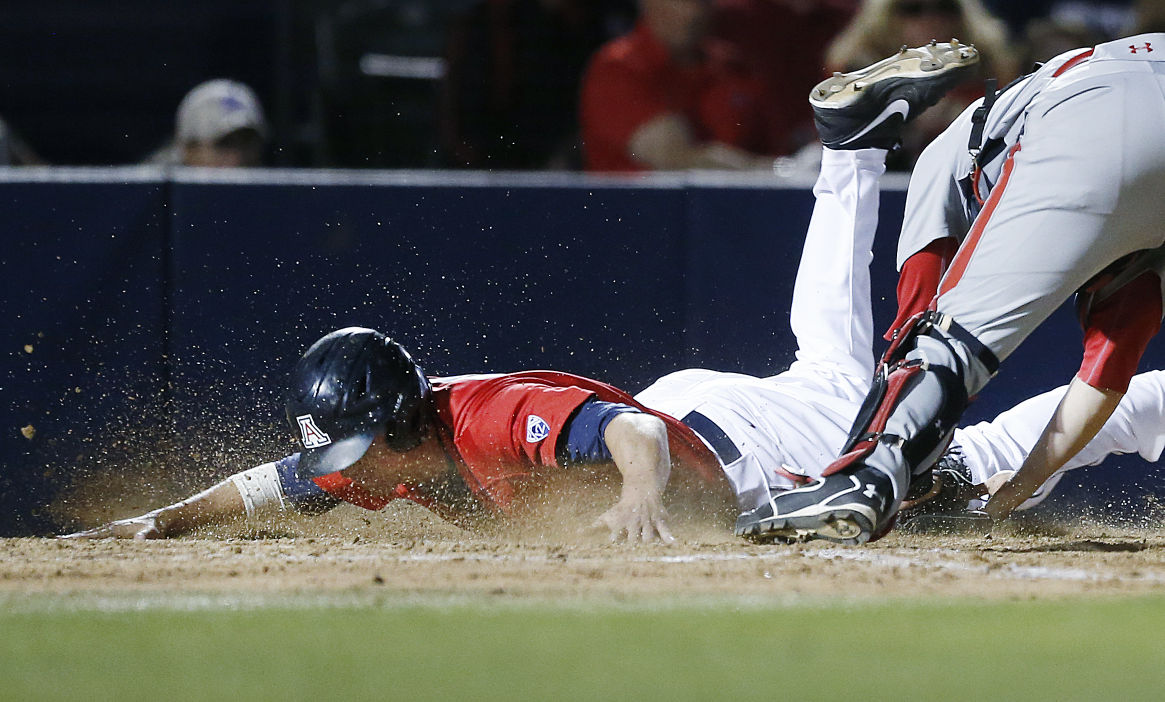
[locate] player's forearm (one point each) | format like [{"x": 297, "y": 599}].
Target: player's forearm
[
  {"x": 638, "y": 446},
  {"x": 1080, "y": 415},
  {"x": 219, "y": 503},
  {"x": 243, "y": 494}
]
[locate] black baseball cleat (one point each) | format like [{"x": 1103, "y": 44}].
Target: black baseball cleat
[
  {"x": 844, "y": 508},
  {"x": 867, "y": 108},
  {"x": 945, "y": 506},
  {"x": 949, "y": 490}
]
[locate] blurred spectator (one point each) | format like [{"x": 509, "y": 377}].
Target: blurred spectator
[
  {"x": 881, "y": 27},
  {"x": 13, "y": 150},
  {"x": 220, "y": 124},
  {"x": 1048, "y": 38},
  {"x": 667, "y": 96},
  {"x": 1109, "y": 18},
  {"x": 509, "y": 99},
  {"x": 1149, "y": 16},
  {"x": 783, "y": 43}
]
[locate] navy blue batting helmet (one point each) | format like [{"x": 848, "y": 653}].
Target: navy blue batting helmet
[{"x": 348, "y": 388}]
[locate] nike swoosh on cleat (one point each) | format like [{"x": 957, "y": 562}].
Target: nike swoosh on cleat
[{"x": 898, "y": 107}]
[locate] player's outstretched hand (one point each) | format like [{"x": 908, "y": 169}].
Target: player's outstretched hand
[
  {"x": 143, "y": 527},
  {"x": 638, "y": 517}
]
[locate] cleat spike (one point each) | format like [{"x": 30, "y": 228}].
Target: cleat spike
[{"x": 837, "y": 74}]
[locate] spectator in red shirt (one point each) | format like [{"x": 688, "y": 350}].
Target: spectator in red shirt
[
  {"x": 668, "y": 97},
  {"x": 784, "y": 42}
]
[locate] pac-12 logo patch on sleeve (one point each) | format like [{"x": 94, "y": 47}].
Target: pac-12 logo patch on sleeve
[
  {"x": 312, "y": 436},
  {"x": 536, "y": 429}
]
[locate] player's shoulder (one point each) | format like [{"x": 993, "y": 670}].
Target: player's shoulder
[
  {"x": 462, "y": 381},
  {"x": 463, "y": 388}
]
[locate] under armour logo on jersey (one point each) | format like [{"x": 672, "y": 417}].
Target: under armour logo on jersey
[
  {"x": 870, "y": 491},
  {"x": 312, "y": 436},
  {"x": 536, "y": 429},
  {"x": 1148, "y": 47}
]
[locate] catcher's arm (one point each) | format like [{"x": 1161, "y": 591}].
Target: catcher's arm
[
  {"x": 638, "y": 445},
  {"x": 1079, "y": 416}
]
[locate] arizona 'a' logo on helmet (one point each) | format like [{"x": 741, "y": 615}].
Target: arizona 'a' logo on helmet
[{"x": 311, "y": 435}]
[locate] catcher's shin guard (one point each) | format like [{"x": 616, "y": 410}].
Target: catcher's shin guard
[{"x": 918, "y": 393}]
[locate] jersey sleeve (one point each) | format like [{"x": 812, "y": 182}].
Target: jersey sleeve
[
  {"x": 919, "y": 279},
  {"x": 585, "y": 440},
  {"x": 1116, "y": 331},
  {"x": 303, "y": 496},
  {"x": 520, "y": 422}
]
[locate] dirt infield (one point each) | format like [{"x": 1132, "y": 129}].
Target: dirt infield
[{"x": 405, "y": 551}]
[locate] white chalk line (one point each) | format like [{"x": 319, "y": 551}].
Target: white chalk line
[{"x": 856, "y": 555}]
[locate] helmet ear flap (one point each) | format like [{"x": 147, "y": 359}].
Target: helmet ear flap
[
  {"x": 408, "y": 423},
  {"x": 412, "y": 430}
]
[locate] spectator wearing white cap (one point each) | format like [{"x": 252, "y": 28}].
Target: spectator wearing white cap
[{"x": 220, "y": 124}]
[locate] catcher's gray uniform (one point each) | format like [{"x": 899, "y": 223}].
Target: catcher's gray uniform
[
  {"x": 1073, "y": 139},
  {"x": 1068, "y": 139},
  {"x": 1043, "y": 214}
]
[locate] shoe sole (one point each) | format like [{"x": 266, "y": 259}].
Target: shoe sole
[
  {"x": 840, "y": 525},
  {"x": 908, "y": 65}
]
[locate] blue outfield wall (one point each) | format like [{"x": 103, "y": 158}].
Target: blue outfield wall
[{"x": 148, "y": 311}]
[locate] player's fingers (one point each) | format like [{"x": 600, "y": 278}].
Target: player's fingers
[
  {"x": 149, "y": 532},
  {"x": 604, "y": 525},
  {"x": 101, "y": 532},
  {"x": 600, "y": 528},
  {"x": 665, "y": 535},
  {"x": 646, "y": 531}
]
